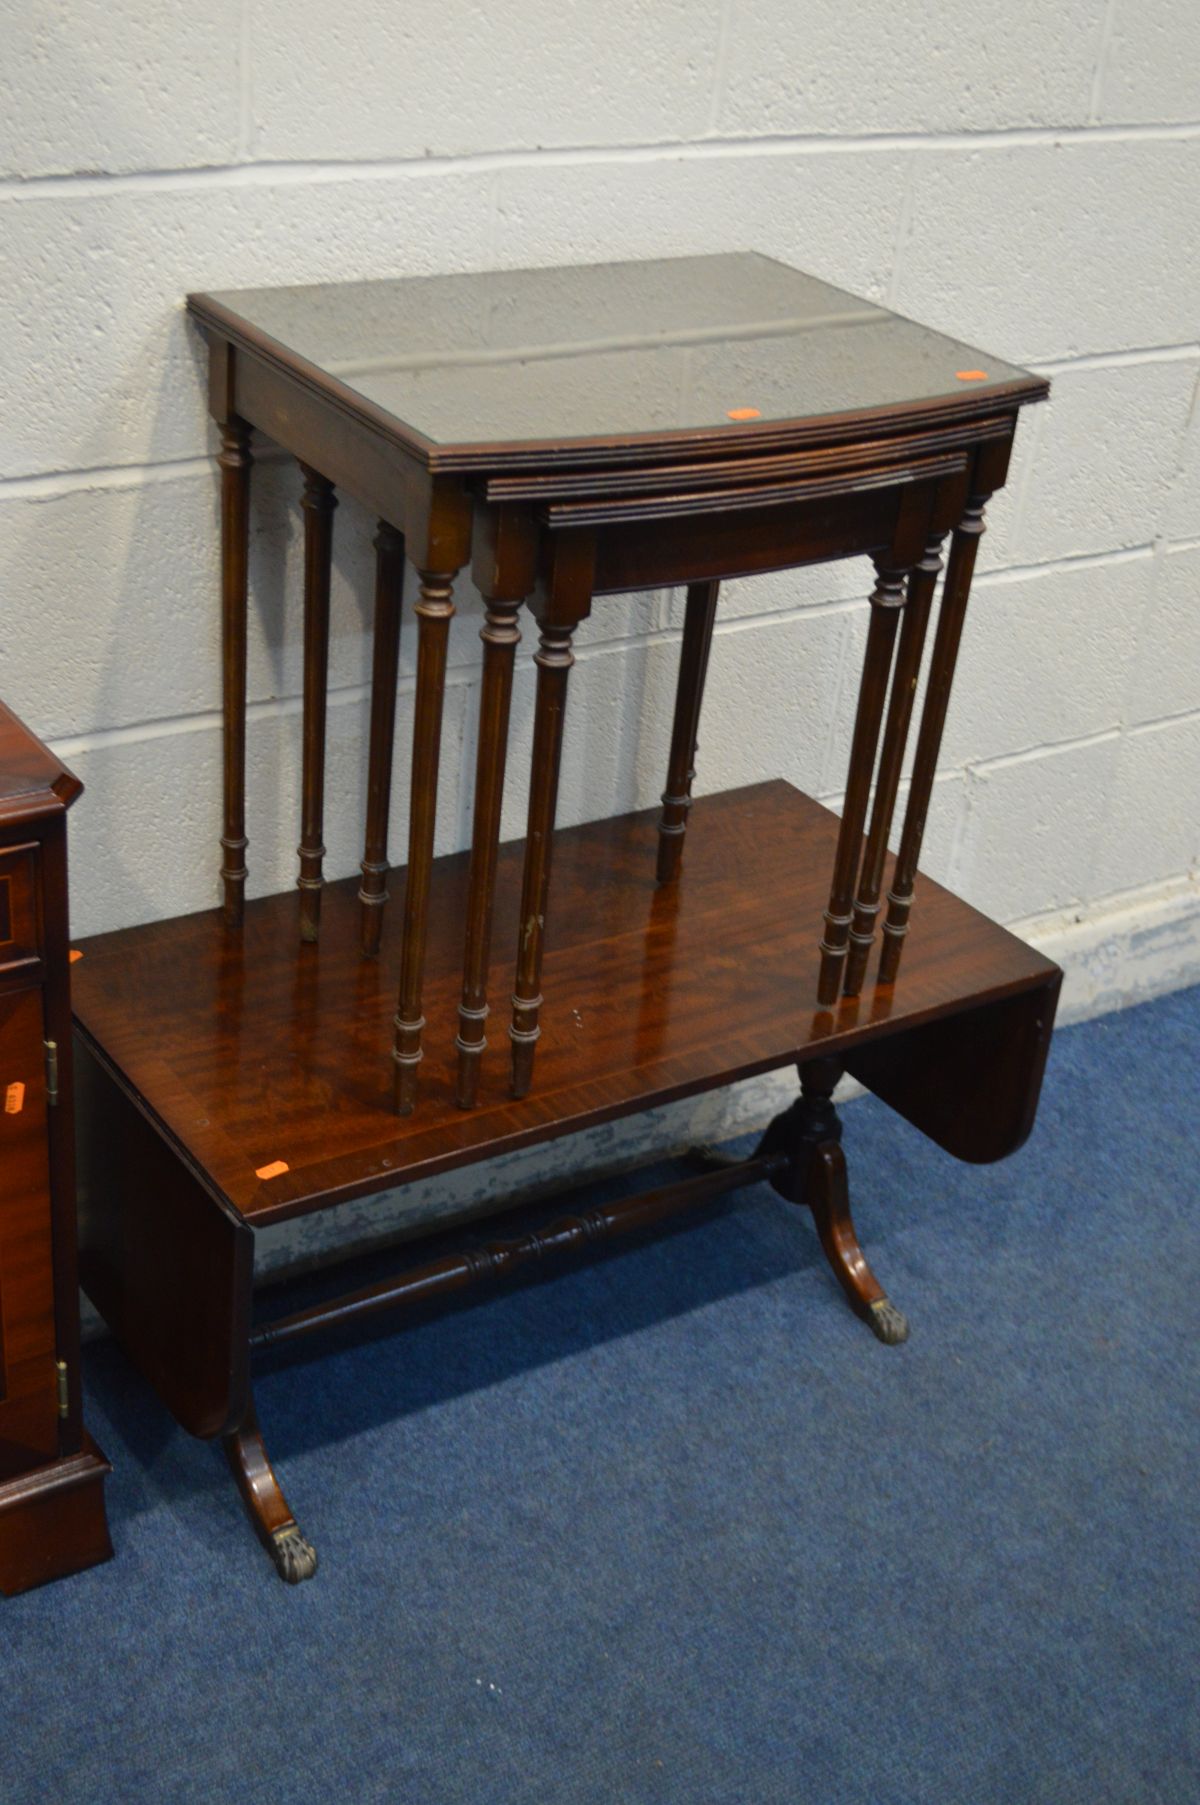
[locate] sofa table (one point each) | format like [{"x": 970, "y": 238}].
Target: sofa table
[{"x": 566, "y": 434}]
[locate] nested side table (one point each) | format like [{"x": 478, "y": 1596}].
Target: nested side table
[{"x": 568, "y": 434}]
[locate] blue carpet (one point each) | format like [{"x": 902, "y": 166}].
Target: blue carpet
[{"x": 672, "y": 1526}]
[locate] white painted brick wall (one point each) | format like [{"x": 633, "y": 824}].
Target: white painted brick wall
[{"x": 1026, "y": 178}]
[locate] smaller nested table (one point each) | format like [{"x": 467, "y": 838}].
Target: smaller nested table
[{"x": 569, "y": 434}]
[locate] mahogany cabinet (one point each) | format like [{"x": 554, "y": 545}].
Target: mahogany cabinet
[{"x": 52, "y": 1519}]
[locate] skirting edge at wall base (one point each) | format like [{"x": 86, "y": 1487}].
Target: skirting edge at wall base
[
  {"x": 1123, "y": 951},
  {"x": 1126, "y": 952}
]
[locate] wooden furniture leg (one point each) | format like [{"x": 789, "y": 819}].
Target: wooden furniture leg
[
  {"x": 921, "y": 584},
  {"x": 295, "y": 1558},
  {"x": 389, "y": 596},
  {"x": 235, "y": 460},
  {"x": 698, "y": 622},
  {"x": 955, "y": 594},
  {"x": 500, "y": 635},
  {"x": 318, "y": 503},
  {"x": 811, "y": 1133},
  {"x": 554, "y": 659},
  {"x": 828, "y": 1197},
  {"x": 434, "y": 612},
  {"x": 886, "y": 602}
]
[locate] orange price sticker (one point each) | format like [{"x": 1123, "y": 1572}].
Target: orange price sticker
[
  {"x": 14, "y": 1099},
  {"x": 971, "y": 375},
  {"x": 275, "y": 1170},
  {"x": 743, "y": 413}
]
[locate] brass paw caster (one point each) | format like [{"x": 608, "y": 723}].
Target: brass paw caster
[
  {"x": 890, "y": 1324},
  {"x": 295, "y": 1558}
]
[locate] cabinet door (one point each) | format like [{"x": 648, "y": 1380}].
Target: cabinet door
[{"x": 28, "y": 1388}]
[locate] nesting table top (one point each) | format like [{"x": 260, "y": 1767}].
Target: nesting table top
[{"x": 611, "y": 357}]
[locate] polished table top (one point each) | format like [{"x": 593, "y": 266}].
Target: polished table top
[{"x": 678, "y": 349}]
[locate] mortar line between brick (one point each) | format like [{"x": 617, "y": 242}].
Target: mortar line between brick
[
  {"x": 903, "y": 230},
  {"x": 1173, "y": 483},
  {"x": 1164, "y": 722},
  {"x": 1003, "y": 761},
  {"x": 1020, "y": 573},
  {"x": 54, "y": 483},
  {"x": 1180, "y": 352},
  {"x": 720, "y": 65},
  {"x": 262, "y": 172},
  {"x": 844, "y": 604},
  {"x": 835, "y": 799},
  {"x": 1023, "y": 486},
  {"x": 1098, "y": 73},
  {"x": 845, "y": 674},
  {"x": 245, "y": 105},
  {"x": 493, "y": 216},
  {"x": 1193, "y": 405},
  {"x": 960, "y": 841},
  {"x": 208, "y": 720}
]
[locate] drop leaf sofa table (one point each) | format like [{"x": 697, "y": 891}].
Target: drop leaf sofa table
[{"x": 566, "y": 434}]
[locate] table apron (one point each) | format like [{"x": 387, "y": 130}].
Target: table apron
[{"x": 647, "y": 554}]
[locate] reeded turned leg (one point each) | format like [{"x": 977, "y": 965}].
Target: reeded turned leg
[
  {"x": 955, "y": 594},
  {"x": 389, "y": 595},
  {"x": 554, "y": 659},
  {"x": 235, "y": 461},
  {"x": 689, "y": 695},
  {"x": 921, "y": 585},
  {"x": 434, "y": 611},
  {"x": 500, "y": 636},
  {"x": 886, "y": 602},
  {"x": 318, "y": 503},
  {"x": 295, "y": 1558}
]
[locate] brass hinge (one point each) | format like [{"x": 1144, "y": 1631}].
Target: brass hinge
[
  {"x": 51, "y": 1047},
  {"x": 63, "y": 1387}
]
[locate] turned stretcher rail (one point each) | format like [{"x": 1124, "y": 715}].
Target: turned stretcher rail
[{"x": 471, "y": 1265}]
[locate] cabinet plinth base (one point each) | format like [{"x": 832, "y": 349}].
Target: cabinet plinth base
[{"x": 52, "y": 1521}]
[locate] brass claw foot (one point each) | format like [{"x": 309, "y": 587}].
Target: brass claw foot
[
  {"x": 295, "y": 1558},
  {"x": 890, "y": 1324}
]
